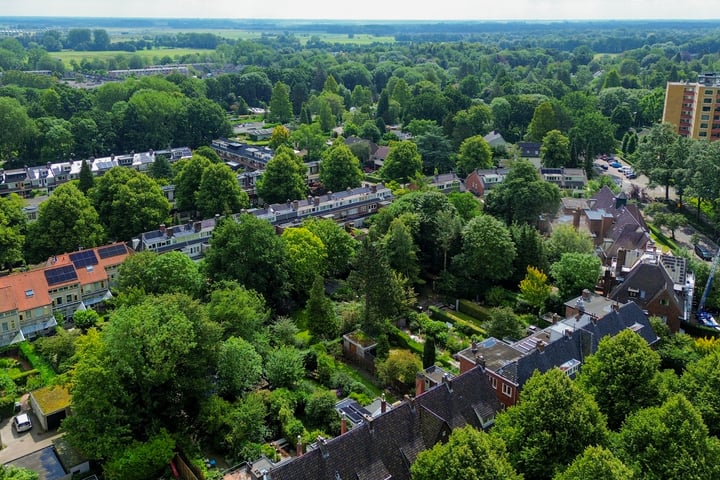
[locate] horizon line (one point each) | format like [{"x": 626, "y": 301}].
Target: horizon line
[{"x": 304, "y": 19}]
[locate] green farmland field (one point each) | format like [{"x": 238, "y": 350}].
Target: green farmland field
[{"x": 150, "y": 55}]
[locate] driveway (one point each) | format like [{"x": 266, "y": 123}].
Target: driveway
[{"x": 16, "y": 445}]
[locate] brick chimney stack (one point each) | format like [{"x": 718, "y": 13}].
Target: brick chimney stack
[
  {"x": 383, "y": 404},
  {"x": 419, "y": 384},
  {"x": 299, "y": 446},
  {"x": 343, "y": 424}
]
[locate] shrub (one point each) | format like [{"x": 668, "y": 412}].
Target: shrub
[
  {"x": 474, "y": 310},
  {"x": 27, "y": 350}
]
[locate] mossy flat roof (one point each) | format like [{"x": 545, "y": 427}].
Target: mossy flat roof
[{"x": 52, "y": 399}]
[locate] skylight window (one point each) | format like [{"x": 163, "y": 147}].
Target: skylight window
[{"x": 29, "y": 293}]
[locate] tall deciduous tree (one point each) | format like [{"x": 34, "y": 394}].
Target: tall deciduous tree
[
  {"x": 402, "y": 163},
  {"x": 280, "y": 137},
  {"x": 565, "y": 239},
  {"x": 474, "y": 153},
  {"x": 281, "y": 109},
  {"x": 171, "y": 272},
  {"x": 469, "y": 454},
  {"x": 669, "y": 441},
  {"x": 284, "y": 178},
  {"x": 239, "y": 367},
  {"x": 701, "y": 383},
  {"x": 249, "y": 252},
  {"x": 596, "y": 462},
  {"x": 239, "y": 311},
  {"x": 307, "y": 257},
  {"x": 575, "y": 272},
  {"x": 657, "y": 157},
  {"x": 534, "y": 288},
  {"x": 592, "y": 134},
  {"x": 555, "y": 150},
  {"x": 13, "y": 226},
  {"x": 129, "y": 202},
  {"x": 487, "y": 253},
  {"x": 219, "y": 192},
  {"x": 284, "y": 367},
  {"x": 400, "y": 250},
  {"x": 541, "y": 444},
  {"x": 340, "y": 168},
  {"x": 187, "y": 182},
  {"x": 400, "y": 369},
  {"x": 621, "y": 375},
  {"x": 523, "y": 196},
  {"x": 340, "y": 246},
  {"x": 66, "y": 221},
  {"x": 16, "y": 128}
]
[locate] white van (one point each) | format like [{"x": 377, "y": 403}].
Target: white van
[{"x": 22, "y": 423}]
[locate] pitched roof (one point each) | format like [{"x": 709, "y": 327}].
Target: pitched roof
[
  {"x": 650, "y": 280},
  {"x": 386, "y": 446},
  {"x": 29, "y": 289}
]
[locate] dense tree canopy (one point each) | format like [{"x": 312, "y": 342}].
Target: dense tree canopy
[
  {"x": 469, "y": 454},
  {"x": 541, "y": 444},
  {"x": 248, "y": 251},
  {"x": 66, "y": 222},
  {"x": 128, "y": 203}
]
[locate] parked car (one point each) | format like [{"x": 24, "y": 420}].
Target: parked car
[
  {"x": 22, "y": 423},
  {"x": 616, "y": 164},
  {"x": 631, "y": 175},
  {"x": 703, "y": 252}
]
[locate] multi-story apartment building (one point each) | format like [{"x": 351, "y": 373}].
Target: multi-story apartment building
[
  {"x": 31, "y": 300},
  {"x": 694, "y": 108}
]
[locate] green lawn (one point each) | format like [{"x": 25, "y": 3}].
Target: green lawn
[
  {"x": 662, "y": 240},
  {"x": 68, "y": 55}
]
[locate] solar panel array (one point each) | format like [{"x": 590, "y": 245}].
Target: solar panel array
[
  {"x": 83, "y": 258},
  {"x": 112, "y": 251},
  {"x": 60, "y": 275}
]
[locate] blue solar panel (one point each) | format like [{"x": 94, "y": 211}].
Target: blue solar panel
[
  {"x": 112, "y": 251},
  {"x": 60, "y": 275},
  {"x": 84, "y": 258}
]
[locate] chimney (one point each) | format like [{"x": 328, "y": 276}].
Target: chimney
[
  {"x": 316, "y": 201},
  {"x": 169, "y": 232},
  {"x": 373, "y": 189},
  {"x": 616, "y": 307},
  {"x": 296, "y": 204},
  {"x": 555, "y": 318},
  {"x": 447, "y": 381},
  {"x": 480, "y": 360},
  {"x": 343, "y": 424},
  {"x": 586, "y": 295},
  {"x": 383, "y": 404},
  {"x": 329, "y": 195},
  {"x": 474, "y": 347},
  {"x": 197, "y": 227},
  {"x": 322, "y": 444},
  {"x": 540, "y": 345},
  {"x": 309, "y": 199},
  {"x": 162, "y": 227},
  {"x": 299, "y": 446},
  {"x": 576, "y": 218},
  {"x": 621, "y": 259},
  {"x": 419, "y": 384},
  {"x": 568, "y": 333},
  {"x": 591, "y": 203}
]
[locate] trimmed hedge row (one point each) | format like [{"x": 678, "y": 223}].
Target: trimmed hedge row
[
  {"x": 474, "y": 310},
  {"x": 463, "y": 326},
  {"x": 403, "y": 340},
  {"x": 699, "y": 330},
  {"x": 27, "y": 351}
]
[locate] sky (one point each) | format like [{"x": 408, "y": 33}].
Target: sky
[{"x": 371, "y": 9}]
